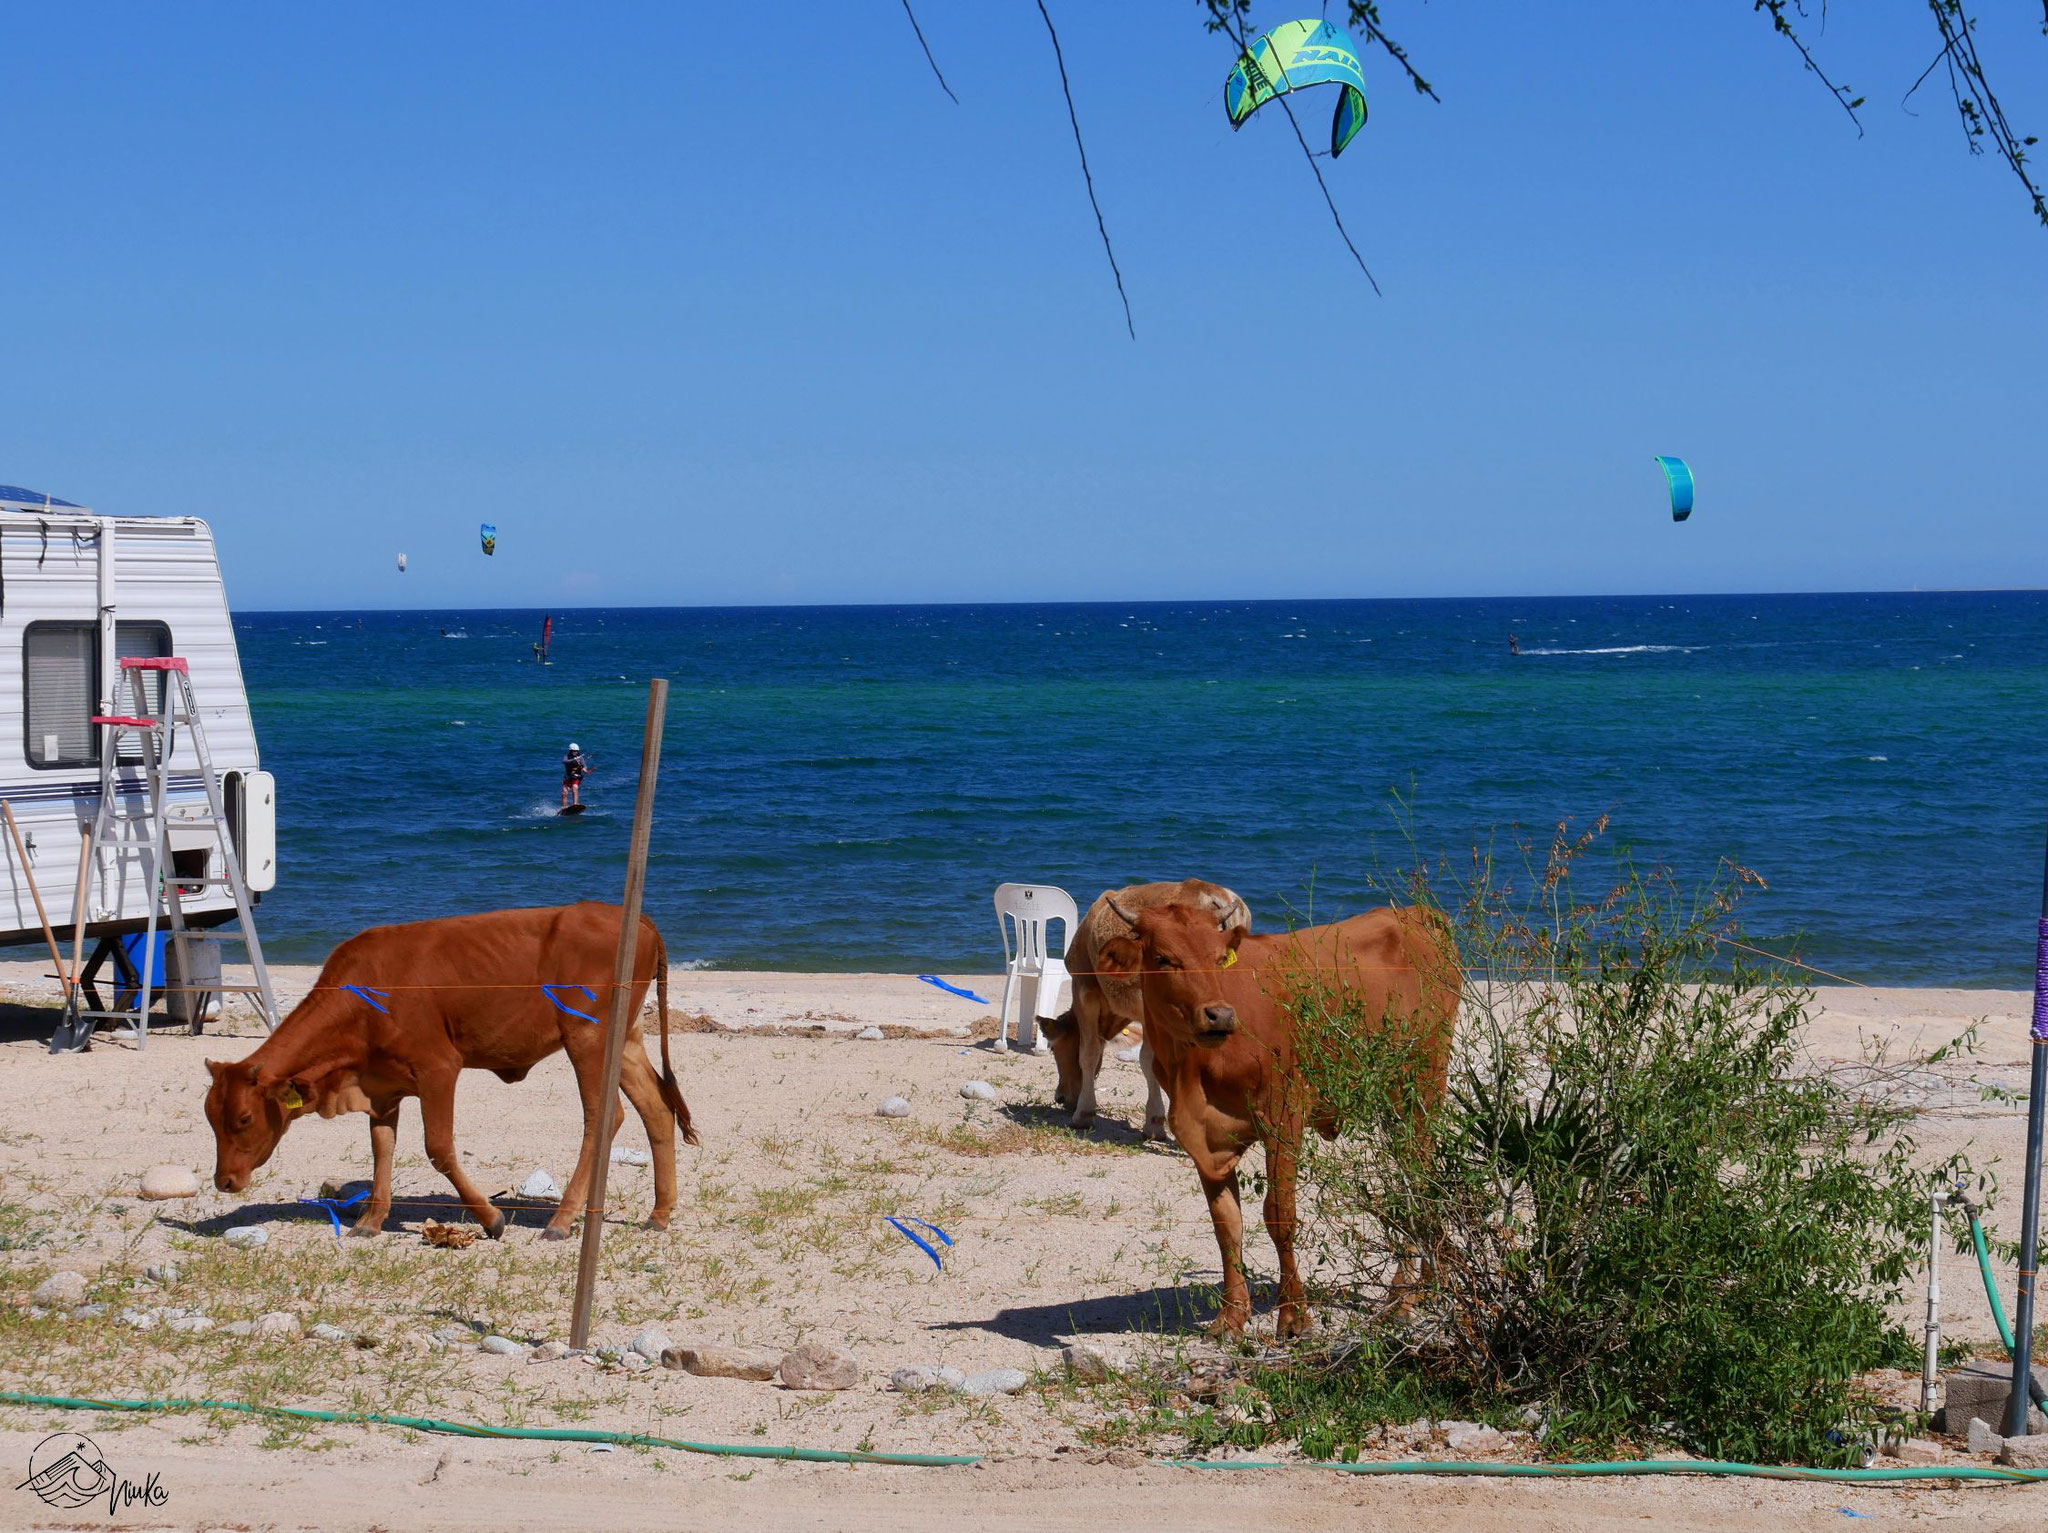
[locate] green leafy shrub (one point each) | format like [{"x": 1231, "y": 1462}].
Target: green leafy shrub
[{"x": 1640, "y": 1209}]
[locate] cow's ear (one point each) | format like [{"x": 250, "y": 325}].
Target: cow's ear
[
  {"x": 215, "y": 1066},
  {"x": 1119, "y": 958},
  {"x": 289, "y": 1094},
  {"x": 1235, "y": 935}
]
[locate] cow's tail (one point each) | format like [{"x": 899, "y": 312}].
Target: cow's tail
[{"x": 671, "y": 1089}]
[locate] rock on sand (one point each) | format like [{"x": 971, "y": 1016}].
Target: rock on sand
[
  {"x": 61, "y": 1290},
  {"x": 819, "y": 1365},
  {"x": 716, "y": 1362},
  {"x": 160, "y": 1182}
]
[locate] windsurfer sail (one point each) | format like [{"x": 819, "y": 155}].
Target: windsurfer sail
[{"x": 547, "y": 634}]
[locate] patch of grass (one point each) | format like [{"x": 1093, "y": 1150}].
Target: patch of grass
[{"x": 1013, "y": 1138}]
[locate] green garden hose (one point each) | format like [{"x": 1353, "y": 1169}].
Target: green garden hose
[
  {"x": 939, "y": 1460},
  {"x": 1990, "y": 1283},
  {"x": 471, "y": 1429},
  {"x": 2034, "y": 1389}
]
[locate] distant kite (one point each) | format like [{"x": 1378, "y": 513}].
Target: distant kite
[
  {"x": 1678, "y": 478},
  {"x": 1294, "y": 55},
  {"x": 401, "y": 564},
  {"x": 488, "y": 533}
]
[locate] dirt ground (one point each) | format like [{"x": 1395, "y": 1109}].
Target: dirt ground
[{"x": 780, "y": 1236}]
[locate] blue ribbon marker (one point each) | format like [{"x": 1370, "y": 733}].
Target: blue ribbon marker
[
  {"x": 968, "y": 995},
  {"x": 902, "y": 1227},
  {"x": 334, "y": 1206},
  {"x": 562, "y": 1005},
  {"x": 376, "y": 998}
]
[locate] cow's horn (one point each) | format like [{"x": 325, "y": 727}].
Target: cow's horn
[{"x": 1122, "y": 914}]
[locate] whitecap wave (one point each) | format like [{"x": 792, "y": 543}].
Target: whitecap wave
[{"x": 1622, "y": 649}]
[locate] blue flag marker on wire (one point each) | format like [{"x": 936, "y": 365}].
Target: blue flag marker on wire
[
  {"x": 376, "y": 998},
  {"x": 562, "y": 1005},
  {"x": 902, "y": 1227},
  {"x": 335, "y": 1206},
  {"x": 969, "y": 995}
]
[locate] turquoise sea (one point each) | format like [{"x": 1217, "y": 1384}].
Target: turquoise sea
[{"x": 843, "y": 787}]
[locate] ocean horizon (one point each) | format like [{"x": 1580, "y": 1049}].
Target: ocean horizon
[{"x": 843, "y": 786}]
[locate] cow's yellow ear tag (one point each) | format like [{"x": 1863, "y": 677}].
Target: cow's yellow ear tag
[
  {"x": 292, "y": 1099},
  {"x": 1230, "y": 958}
]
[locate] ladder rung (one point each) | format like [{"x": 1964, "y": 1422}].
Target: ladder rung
[
  {"x": 153, "y": 663},
  {"x": 122, "y": 721}
]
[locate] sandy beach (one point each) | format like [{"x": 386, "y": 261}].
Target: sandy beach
[{"x": 780, "y": 1236}]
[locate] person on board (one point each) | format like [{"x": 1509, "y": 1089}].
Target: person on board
[
  {"x": 575, "y": 767},
  {"x": 1514, "y": 645}
]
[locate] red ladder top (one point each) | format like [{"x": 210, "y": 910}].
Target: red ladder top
[{"x": 149, "y": 663}]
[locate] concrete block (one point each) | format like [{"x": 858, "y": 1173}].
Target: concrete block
[{"x": 1980, "y": 1391}]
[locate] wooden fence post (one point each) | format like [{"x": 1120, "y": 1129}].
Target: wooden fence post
[{"x": 621, "y": 1013}]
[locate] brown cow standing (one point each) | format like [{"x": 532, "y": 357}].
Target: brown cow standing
[
  {"x": 1223, "y": 1044},
  {"x": 1105, "y": 1004},
  {"x": 402, "y": 1011}
]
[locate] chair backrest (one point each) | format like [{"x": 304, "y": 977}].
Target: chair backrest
[{"x": 1031, "y": 907}]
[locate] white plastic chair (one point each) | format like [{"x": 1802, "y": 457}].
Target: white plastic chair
[{"x": 1029, "y": 908}]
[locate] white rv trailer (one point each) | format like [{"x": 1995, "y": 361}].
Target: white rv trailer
[{"x": 78, "y": 592}]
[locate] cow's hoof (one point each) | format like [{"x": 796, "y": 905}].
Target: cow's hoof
[
  {"x": 1227, "y": 1327},
  {"x": 1156, "y": 1130},
  {"x": 367, "y": 1229},
  {"x": 1293, "y": 1324},
  {"x": 551, "y": 1233},
  {"x": 497, "y": 1231},
  {"x": 656, "y": 1222}
]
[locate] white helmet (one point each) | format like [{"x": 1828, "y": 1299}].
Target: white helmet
[{"x": 574, "y": 747}]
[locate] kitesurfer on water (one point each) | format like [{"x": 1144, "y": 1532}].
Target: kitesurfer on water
[
  {"x": 575, "y": 767},
  {"x": 1514, "y": 645}
]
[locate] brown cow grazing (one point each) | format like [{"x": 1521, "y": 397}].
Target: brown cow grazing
[
  {"x": 402, "y": 1011},
  {"x": 1105, "y": 1004},
  {"x": 1223, "y": 1043}
]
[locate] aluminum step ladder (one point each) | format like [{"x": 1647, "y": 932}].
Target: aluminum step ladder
[{"x": 121, "y": 834}]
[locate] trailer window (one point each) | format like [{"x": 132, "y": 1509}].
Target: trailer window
[
  {"x": 148, "y": 641},
  {"x": 59, "y": 687},
  {"x": 62, "y": 684}
]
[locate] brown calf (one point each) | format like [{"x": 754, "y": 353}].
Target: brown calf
[
  {"x": 1223, "y": 1043},
  {"x": 402, "y": 1011},
  {"x": 1105, "y": 1004}
]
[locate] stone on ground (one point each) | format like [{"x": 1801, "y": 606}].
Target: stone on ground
[
  {"x": 871, "y": 1034},
  {"x": 650, "y": 1344},
  {"x": 501, "y": 1346},
  {"x": 1982, "y": 1438},
  {"x": 160, "y": 1182},
  {"x": 277, "y": 1322},
  {"x": 995, "y": 1381},
  {"x": 895, "y": 1107},
  {"x": 61, "y": 1288},
  {"x": 549, "y": 1352},
  {"x": 1471, "y": 1437},
  {"x": 247, "y": 1237},
  {"x": 977, "y": 1091},
  {"x": 2030, "y": 1452},
  {"x": 1916, "y": 1450},
  {"x": 819, "y": 1365},
  {"x": 717, "y": 1362},
  {"x": 1085, "y": 1365}
]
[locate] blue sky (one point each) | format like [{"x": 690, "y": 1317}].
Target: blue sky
[{"x": 703, "y": 312}]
